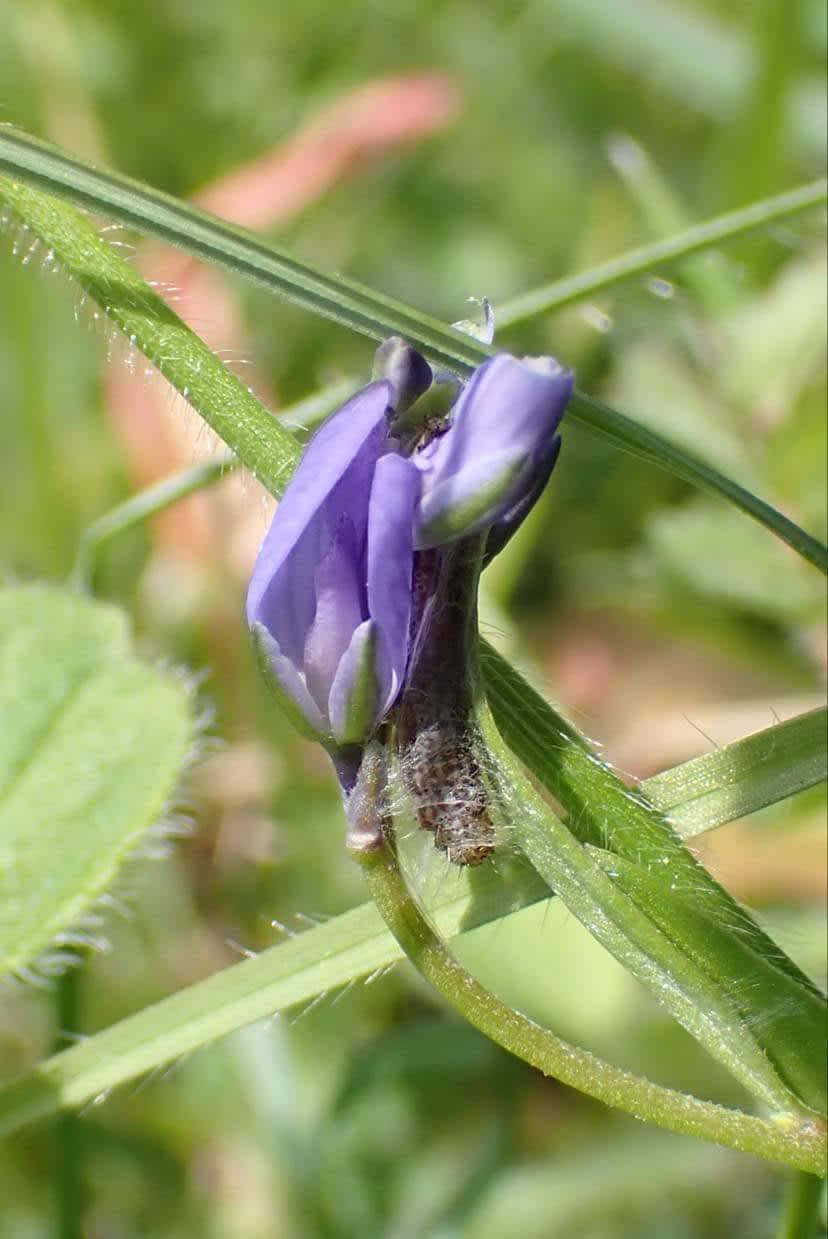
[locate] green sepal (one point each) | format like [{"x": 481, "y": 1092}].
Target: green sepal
[{"x": 362, "y": 703}]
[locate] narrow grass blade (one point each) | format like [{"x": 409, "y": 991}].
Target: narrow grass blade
[
  {"x": 697, "y": 795},
  {"x": 153, "y": 213},
  {"x": 630, "y": 436},
  {"x": 613, "y": 818},
  {"x": 345, "y": 301},
  {"x": 742, "y": 777},
  {"x": 255, "y": 436}
]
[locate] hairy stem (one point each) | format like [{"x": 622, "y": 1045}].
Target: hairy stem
[{"x": 793, "y": 1141}]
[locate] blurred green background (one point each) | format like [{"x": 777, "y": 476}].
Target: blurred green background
[{"x": 436, "y": 151}]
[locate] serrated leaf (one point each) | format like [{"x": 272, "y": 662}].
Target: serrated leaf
[{"x": 92, "y": 743}]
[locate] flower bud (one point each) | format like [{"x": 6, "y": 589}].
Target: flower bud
[
  {"x": 407, "y": 372},
  {"x": 495, "y": 458}
]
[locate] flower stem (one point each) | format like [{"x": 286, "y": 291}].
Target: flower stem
[{"x": 797, "y": 1142}]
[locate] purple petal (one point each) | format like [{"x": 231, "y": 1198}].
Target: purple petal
[
  {"x": 289, "y": 687},
  {"x": 508, "y": 525},
  {"x": 508, "y": 407},
  {"x": 354, "y": 699},
  {"x": 340, "y": 604},
  {"x": 333, "y": 477},
  {"x": 463, "y": 502},
  {"x": 394, "y": 495}
]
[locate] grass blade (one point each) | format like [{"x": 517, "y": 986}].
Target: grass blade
[
  {"x": 697, "y": 795},
  {"x": 740, "y": 778},
  {"x": 342, "y": 300}
]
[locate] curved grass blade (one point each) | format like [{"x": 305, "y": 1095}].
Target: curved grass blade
[
  {"x": 698, "y": 795},
  {"x": 605, "y": 813},
  {"x": 695, "y": 980},
  {"x": 153, "y": 213},
  {"x": 796, "y": 1018},
  {"x": 345, "y": 301}
]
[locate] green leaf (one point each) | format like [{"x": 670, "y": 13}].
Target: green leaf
[
  {"x": 669, "y": 397},
  {"x": 802, "y": 1207},
  {"x": 775, "y": 344},
  {"x": 630, "y": 436},
  {"x": 638, "y": 1174},
  {"x": 92, "y": 743},
  {"x": 687, "y": 55}
]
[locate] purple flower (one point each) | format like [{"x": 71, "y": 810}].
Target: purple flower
[
  {"x": 490, "y": 466},
  {"x": 329, "y": 603}
]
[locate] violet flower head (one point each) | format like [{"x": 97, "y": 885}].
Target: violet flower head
[
  {"x": 337, "y": 599},
  {"x": 329, "y": 602},
  {"x": 491, "y": 464}
]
